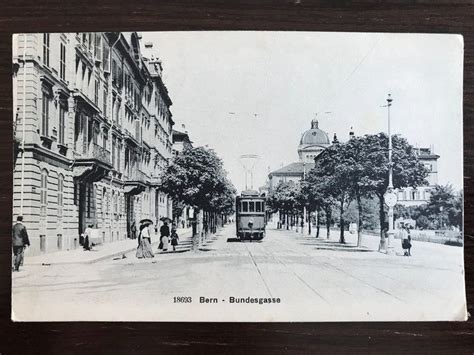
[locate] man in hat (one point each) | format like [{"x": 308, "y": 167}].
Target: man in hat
[
  {"x": 164, "y": 235},
  {"x": 19, "y": 242}
]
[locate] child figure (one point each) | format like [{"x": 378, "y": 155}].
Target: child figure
[{"x": 174, "y": 238}]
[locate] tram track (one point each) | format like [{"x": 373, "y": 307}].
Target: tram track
[
  {"x": 277, "y": 259},
  {"x": 362, "y": 281},
  {"x": 259, "y": 271}
]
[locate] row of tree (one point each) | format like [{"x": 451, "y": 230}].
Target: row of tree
[
  {"x": 356, "y": 170},
  {"x": 196, "y": 177}
]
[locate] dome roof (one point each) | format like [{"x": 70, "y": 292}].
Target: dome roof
[{"x": 314, "y": 135}]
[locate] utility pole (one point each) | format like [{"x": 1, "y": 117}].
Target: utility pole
[
  {"x": 390, "y": 196},
  {"x": 248, "y": 162}
]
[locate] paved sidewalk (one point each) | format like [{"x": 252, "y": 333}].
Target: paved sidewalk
[{"x": 99, "y": 252}]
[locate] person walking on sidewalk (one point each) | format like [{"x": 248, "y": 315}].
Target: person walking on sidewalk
[
  {"x": 144, "y": 243},
  {"x": 87, "y": 237},
  {"x": 164, "y": 235},
  {"x": 19, "y": 242},
  {"x": 406, "y": 240},
  {"x": 133, "y": 230},
  {"x": 174, "y": 238}
]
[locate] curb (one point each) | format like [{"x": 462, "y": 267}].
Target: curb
[{"x": 92, "y": 261}]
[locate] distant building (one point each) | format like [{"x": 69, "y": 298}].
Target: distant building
[
  {"x": 416, "y": 196},
  {"x": 312, "y": 143},
  {"x": 181, "y": 142}
]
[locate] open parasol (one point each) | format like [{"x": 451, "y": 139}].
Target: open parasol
[{"x": 147, "y": 221}]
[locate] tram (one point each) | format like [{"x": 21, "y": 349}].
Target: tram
[{"x": 250, "y": 218}]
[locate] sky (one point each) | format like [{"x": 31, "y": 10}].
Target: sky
[{"x": 256, "y": 93}]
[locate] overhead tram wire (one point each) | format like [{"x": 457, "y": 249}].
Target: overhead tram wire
[{"x": 331, "y": 99}]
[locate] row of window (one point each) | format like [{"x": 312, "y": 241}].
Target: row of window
[
  {"x": 44, "y": 194},
  {"x": 251, "y": 206},
  {"x": 46, "y": 117},
  {"x": 62, "y": 55},
  {"x": 413, "y": 195}
]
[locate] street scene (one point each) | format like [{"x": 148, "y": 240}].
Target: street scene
[
  {"x": 341, "y": 282},
  {"x": 285, "y": 177}
]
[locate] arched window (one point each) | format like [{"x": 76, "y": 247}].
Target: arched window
[
  {"x": 60, "y": 195},
  {"x": 44, "y": 193}
]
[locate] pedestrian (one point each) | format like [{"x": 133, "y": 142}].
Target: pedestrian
[
  {"x": 19, "y": 242},
  {"x": 174, "y": 238},
  {"x": 406, "y": 245},
  {"x": 87, "y": 234},
  {"x": 133, "y": 230},
  {"x": 144, "y": 243},
  {"x": 164, "y": 235}
]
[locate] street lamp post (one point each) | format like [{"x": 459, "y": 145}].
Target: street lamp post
[{"x": 390, "y": 196}]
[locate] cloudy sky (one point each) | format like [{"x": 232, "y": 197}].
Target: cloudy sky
[{"x": 257, "y": 92}]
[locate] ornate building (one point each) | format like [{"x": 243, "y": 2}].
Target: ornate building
[
  {"x": 94, "y": 130},
  {"x": 312, "y": 143}
]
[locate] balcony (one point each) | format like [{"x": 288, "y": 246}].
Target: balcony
[
  {"x": 135, "y": 181},
  {"x": 92, "y": 163},
  {"x": 155, "y": 181},
  {"x": 133, "y": 138}
]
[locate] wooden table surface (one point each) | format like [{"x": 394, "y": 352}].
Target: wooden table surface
[{"x": 303, "y": 15}]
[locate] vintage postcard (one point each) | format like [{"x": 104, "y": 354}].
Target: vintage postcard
[{"x": 237, "y": 176}]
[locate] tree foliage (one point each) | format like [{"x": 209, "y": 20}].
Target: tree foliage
[
  {"x": 444, "y": 209},
  {"x": 358, "y": 170},
  {"x": 197, "y": 178}
]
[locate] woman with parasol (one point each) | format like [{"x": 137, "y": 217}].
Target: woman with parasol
[{"x": 144, "y": 240}]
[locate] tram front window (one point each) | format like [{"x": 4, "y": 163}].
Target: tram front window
[
  {"x": 251, "y": 206},
  {"x": 245, "y": 206},
  {"x": 258, "y": 206}
]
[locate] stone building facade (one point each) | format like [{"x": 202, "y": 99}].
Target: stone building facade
[{"x": 93, "y": 131}]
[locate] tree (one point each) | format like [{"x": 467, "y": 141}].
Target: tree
[
  {"x": 330, "y": 177},
  {"x": 445, "y": 206},
  {"x": 197, "y": 178},
  {"x": 317, "y": 200},
  {"x": 284, "y": 199},
  {"x": 407, "y": 169}
]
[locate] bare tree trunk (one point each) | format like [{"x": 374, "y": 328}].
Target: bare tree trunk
[
  {"x": 287, "y": 221},
  {"x": 197, "y": 229},
  {"x": 317, "y": 222},
  {"x": 308, "y": 215},
  {"x": 328, "y": 222},
  {"x": 359, "y": 224},
  {"x": 341, "y": 222}
]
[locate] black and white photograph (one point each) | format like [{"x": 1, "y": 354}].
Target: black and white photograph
[{"x": 237, "y": 176}]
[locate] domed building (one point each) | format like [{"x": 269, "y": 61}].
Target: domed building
[{"x": 312, "y": 143}]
